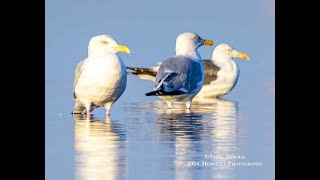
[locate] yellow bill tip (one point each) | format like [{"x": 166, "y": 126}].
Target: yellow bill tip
[
  {"x": 121, "y": 48},
  {"x": 208, "y": 42},
  {"x": 242, "y": 56}
]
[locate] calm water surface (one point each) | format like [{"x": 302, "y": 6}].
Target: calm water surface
[{"x": 144, "y": 140}]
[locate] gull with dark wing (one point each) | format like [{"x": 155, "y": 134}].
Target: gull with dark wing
[
  {"x": 181, "y": 77},
  {"x": 221, "y": 72}
]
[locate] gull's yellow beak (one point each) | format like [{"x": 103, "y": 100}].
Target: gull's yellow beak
[
  {"x": 207, "y": 42},
  {"x": 242, "y": 56},
  {"x": 121, "y": 48}
]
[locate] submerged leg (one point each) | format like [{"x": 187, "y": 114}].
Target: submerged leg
[
  {"x": 108, "y": 107},
  {"x": 188, "y": 104},
  {"x": 169, "y": 103},
  {"x": 108, "y": 112},
  {"x": 88, "y": 106}
]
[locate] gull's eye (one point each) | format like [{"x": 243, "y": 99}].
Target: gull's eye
[
  {"x": 196, "y": 38},
  {"x": 103, "y": 42},
  {"x": 229, "y": 50}
]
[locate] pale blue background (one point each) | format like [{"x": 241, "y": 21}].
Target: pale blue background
[{"x": 150, "y": 28}]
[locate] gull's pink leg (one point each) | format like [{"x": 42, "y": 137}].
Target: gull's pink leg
[
  {"x": 88, "y": 106},
  {"x": 108, "y": 107},
  {"x": 88, "y": 114}
]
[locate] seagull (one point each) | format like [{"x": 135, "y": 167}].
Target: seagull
[
  {"x": 181, "y": 77},
  {"x": 101, "y": 78},
  {"x": 221, "y": 72}
]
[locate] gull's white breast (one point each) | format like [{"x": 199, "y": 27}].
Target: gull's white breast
[{"x": 103, "y": 80}]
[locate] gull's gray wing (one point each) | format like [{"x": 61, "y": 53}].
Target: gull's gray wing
[
  {"x": 143, "y": 73},
  {"x": 210, "y": 71},
  {"x": 146, "y": 71},
  {"x": 177, "y": 75},
  {"x": 76, "y": 77},
  {"x": 78, "y": 108}
]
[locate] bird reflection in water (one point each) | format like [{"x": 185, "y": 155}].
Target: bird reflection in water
[
  {"x": 100, "y": 149},
  {"x": 209, "y": 128},
  {"x": 222, "y": 137}
]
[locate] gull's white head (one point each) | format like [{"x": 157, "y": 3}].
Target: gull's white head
[
  {"x": 104, "y": 44},
  {"x": 224, "y": 52},
  {"x": 187, "y": 43}
]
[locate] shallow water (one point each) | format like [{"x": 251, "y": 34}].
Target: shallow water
[{"x": 144, "y": 140}]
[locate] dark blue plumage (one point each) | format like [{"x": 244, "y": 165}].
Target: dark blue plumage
[{"x": 177, "y": 75}]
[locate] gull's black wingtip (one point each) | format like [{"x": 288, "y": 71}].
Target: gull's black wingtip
[
  {"x": 161, "y": 92},
  {"x": 131, "y": 68},
  {"x": 152, "y": 93}
]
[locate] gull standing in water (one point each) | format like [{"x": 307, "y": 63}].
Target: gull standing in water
[
  {"x": 221, "y": 72},
  {"x": 101, "y": 78},
  {"x": 181, "y": 77}
]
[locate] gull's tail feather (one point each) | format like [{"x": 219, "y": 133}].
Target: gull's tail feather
[
  {"x": 79, "y": 109},
  {"x": 148, "y": 71},
  {"x": 161, "y": 92},
  {"x": 163, "y": 89},
  {"x": 152, "y": 93},
  {"x": 143, "y": 73}
]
